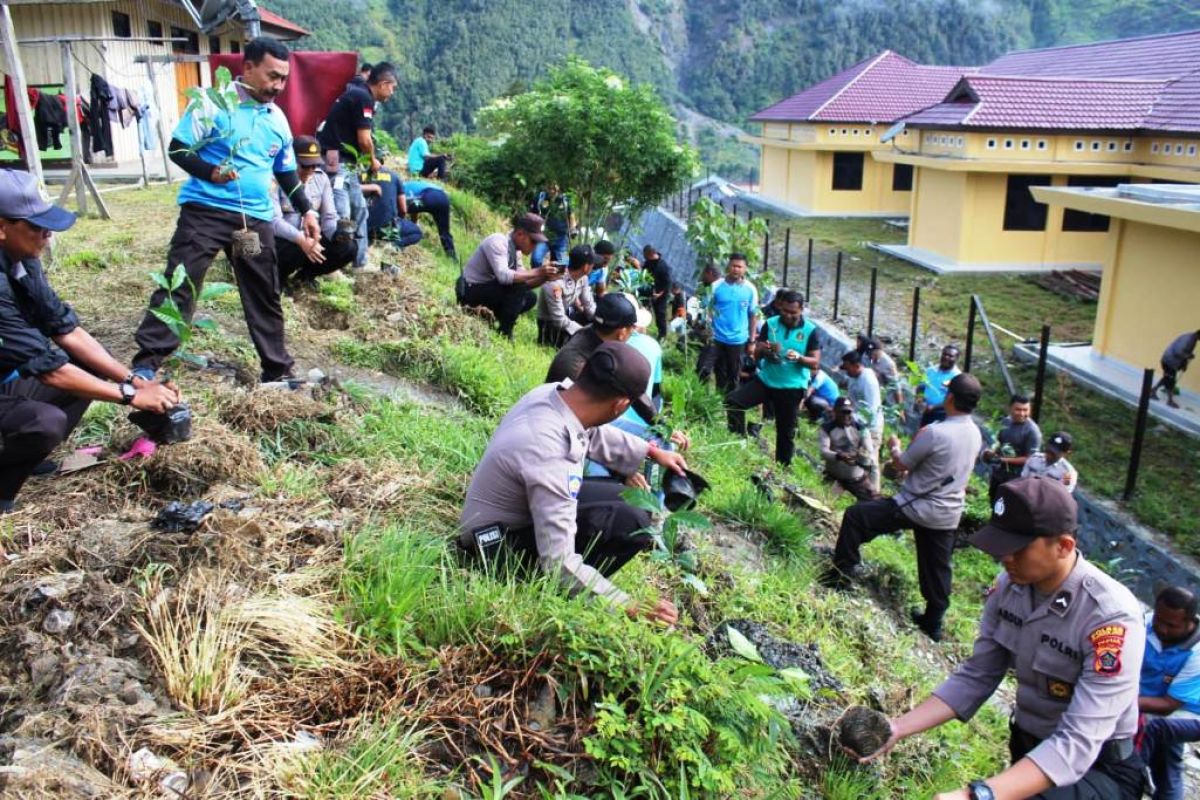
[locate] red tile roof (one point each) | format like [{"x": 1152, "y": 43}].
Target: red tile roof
[
  {"x": 882, "y": 88},
  {"x": 992, "y": 101},
  {"x": 1164, "y": 56},
  {"x": 273, "y": 20}
]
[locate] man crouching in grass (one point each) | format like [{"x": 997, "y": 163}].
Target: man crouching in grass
[{"x": 528, "y": 503}]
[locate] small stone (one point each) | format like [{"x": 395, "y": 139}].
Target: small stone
[
  {"x": 315, "y": 375},
  {"x": 395, "y": 316},
  {"x": 144, "y": 765},
  {"x": 175, "y": 783},
  {"x": 482, "y": 690},
  {"x": 58, "y": 621},
  {"x": 863, "y": 731}
]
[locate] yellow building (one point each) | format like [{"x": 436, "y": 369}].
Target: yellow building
[
  {"x": 1151, "y": 282},
  {"x": 817, "y": 145},
  {"x": 1028, "y": 120}
]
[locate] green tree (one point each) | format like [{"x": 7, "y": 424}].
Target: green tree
[{"x": 589, "y": 130}]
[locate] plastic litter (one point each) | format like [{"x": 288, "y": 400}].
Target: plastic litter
[{"x": 177, "y": 516}]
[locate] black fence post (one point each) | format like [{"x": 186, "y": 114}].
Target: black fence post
[
  {"x": 767, "y": 251},
  {"x": 787, "y": 251},
  {"x": 735, "y": 210},
  {"x": 749, "y": 215},
  {"x": 1139, "y": 434},
  {"x": 970, "y": 335},
  {"x": 808, "y": 275},
  {"x": 871, "y": 304},
  {"x": 1040, "y": 380},
  {"x": 837, "y": 286},
  {"x": 916, "y": 313}
]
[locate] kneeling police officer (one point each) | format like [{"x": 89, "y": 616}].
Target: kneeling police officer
[
  {"x": 528, "y": 500},
  {"x": 1073, "y": 635}
]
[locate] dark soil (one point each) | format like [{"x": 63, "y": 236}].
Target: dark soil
[
  {"x": 775, "y": 652},
  {"x": 863, "y": 730}
]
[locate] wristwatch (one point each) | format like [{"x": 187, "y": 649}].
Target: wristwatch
[
  {"x": 978, "y": 790},
  {"x": 128, "y": 391}
]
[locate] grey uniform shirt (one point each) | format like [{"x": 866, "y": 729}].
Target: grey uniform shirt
[
  {"x": 884, "y": 367},
  {"x": 1078, "y": 661},
  {"x": 556, "y": 299},
  {"x": 946, "y": 448},
  {"x": 838, "y": 439},
  {"x": 496, "y": 260},
  {"x": 1025, "y": 439},
  {"x": 287, "y": 224},
  {"x": 531, "y": 473},
  {"x": 1060, "y": 470}
]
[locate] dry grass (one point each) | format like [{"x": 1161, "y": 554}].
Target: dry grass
[
  {"x": 263, "y": 410},
  {"x": 215, "y": 454},
  {"x": 205, "y": 632}
]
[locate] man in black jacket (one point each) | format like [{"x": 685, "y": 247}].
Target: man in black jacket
[
  {"x": 230, "y": 190},
  {"x": 51, "y": 369}
]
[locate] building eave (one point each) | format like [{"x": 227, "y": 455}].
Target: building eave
[{"x": 1186, "y": 218}]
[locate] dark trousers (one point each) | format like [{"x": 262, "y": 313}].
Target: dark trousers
[
  {"x": 1109, "y": 778},
  {"x": 34, "y": 419},
  {"x": 290, "y": 259},
  {"x": 505, "y": 302},
  {"x": 1162, "y": 750},
  {"x": 436, "y": 203},
  {"x": 784, "y": 402},
  {"x": 200, "y": 234},
  {"x": 868, "y": 519},
  {"x": 551, "y": 335},
  {"x": 435, "y": 165},
  {"x": 609, "y": 531},
  {"x": 706, "y": 361},
  {"x": 660, "y": 316},
  {"x": 728, "y": 363},
  {"x": 1168, "y": 380},
  {"x": 999, "y": 476}
]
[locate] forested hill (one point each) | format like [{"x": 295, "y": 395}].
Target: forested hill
[{"x": 723, "y": 58}]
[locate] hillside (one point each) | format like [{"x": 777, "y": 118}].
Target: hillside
[{"x": 722, "y": 58}]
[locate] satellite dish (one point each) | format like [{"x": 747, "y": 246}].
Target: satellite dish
[{"x": 892, "y": 132}]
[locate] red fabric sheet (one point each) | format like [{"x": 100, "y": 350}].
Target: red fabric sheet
[{"x": 314, "y": 82}]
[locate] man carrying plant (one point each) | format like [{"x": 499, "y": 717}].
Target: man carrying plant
[
  {"x": 528, "y": 505},
  {"x": 787, "y": 352},
  {"x": 297, "y": 255},
  {"x": 345, "y": 136},
  {"x": 862, "y": 384},
  {"x": 734, "y": 311},
  {"x": 845, "y": 444},
  {"x": 495, "y": 279},
  {"x": 51, "y": 368},
  {"x": 424, "y": 197},
  {"x": 1018, "y": 439},
  {"x": 232, "y": 155},
  {"x": 559, "y": 297}
]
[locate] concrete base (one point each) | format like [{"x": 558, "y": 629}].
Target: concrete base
[
  {"x": 1116, "y": 379},
  {"x": 791, "y": 210},
  {"x": 945, "y": 266}
]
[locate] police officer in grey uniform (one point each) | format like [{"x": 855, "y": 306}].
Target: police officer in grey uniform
[
  {"x": 528, "y": 500},
  {"x": 1074, "y": 637}
]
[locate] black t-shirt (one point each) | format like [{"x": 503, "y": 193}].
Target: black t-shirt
[
  {"x": 353, "y": 111},
  {"x": 662, "y": 276}
]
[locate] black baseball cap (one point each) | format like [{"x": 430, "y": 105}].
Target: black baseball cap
[
  {"x": 580, "y": 256},
  {"x": 1025, "y": 509},
  {"x": 1059, "y": 443},
  {"x": 533, "y": 225},
  {"x": 605, "y": 248},
  {"x": 843, "y": 403},
  {"x": 618, "y": 366},
  {"x": 614, "y": 310}
]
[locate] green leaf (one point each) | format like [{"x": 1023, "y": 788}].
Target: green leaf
[
  {"x": 642, "y": 499},
  {"x": 178, "y": 276},
  {"x": 206, "y": 325},
  {"x": 161, "y": 280},
  {"x": 215, "y": 289},
  {"x": 692, "y": 519},
  {"x": 741, "y": 645},
  {"x": 697, "y": 584}
]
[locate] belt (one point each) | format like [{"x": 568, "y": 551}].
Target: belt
[{"x": 1115, "y": 751}]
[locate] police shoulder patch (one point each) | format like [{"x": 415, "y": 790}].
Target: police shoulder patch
[
  {"x": 574, "y": 483},
  {"x": 1107, "y": 641}
]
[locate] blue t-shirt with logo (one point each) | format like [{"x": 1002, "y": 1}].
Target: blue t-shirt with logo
[
  {"x": 1171, "y": 671},
  {"x": 414, "y": 188},
  {"x": 935, "y": 384},
  {"x": 263, "y": 142},
  {"x": 825, "y": 387},
  {"x": 416, "y": 155},
  {"x": 731, "y": 304}
]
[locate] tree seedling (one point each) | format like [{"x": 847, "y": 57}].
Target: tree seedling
[{"x": 171, "y": 315}]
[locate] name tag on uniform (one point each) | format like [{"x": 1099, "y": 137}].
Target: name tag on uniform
[
  {"x": 574, "y": 483},
  {"x": 339, "y": 182}
]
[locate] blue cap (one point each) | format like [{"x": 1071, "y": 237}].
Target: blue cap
[{"x": 20, "y": 199}]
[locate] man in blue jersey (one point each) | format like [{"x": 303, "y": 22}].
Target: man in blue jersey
[
  {"x": 787, "y": 351},
  {"x": 429, "y": 198},
  {"x": 423, "y": 162},
  {"x": 733, "y": 310},
  {"x": 230, "y": 190},
  {"x": 1169, "y": 695}
]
